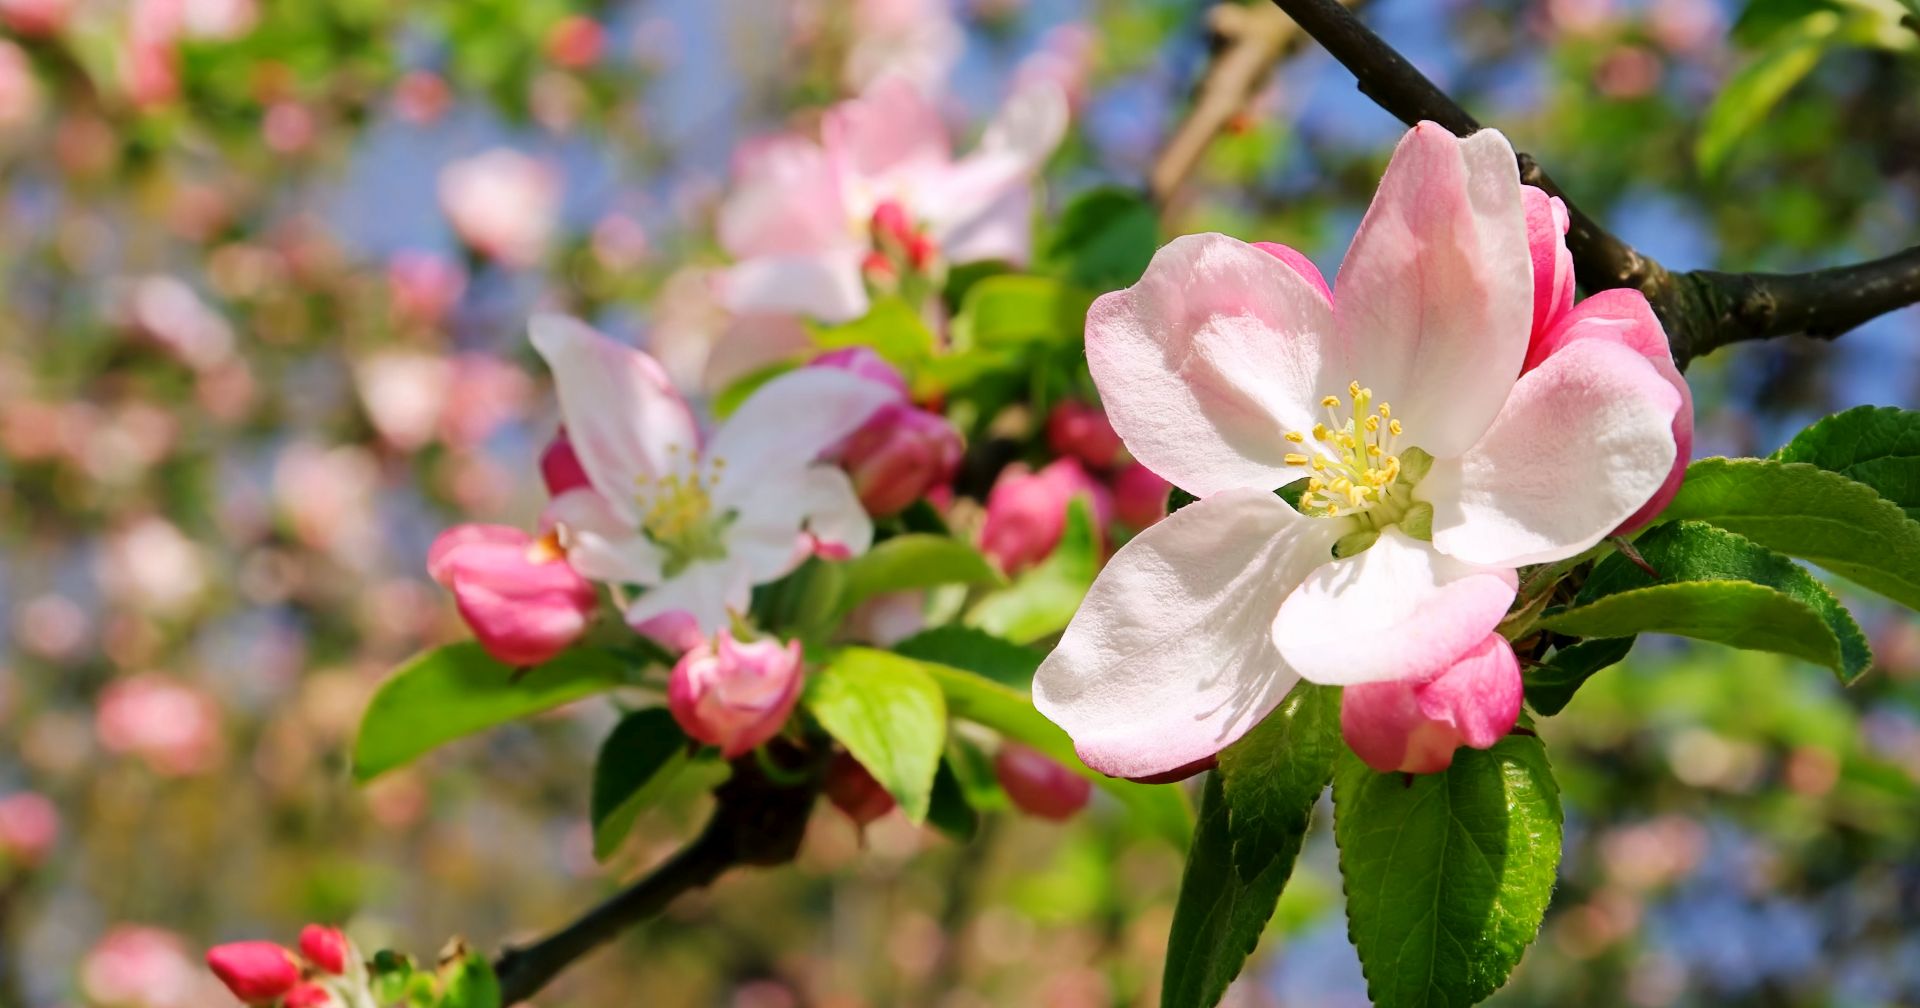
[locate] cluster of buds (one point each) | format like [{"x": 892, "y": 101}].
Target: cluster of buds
[
  {"x": 900, "y": 248},
  {"x": 1027, "y": 509},
  {"x": 266, "y": 973},
  {"x": 902, "y": 452}
]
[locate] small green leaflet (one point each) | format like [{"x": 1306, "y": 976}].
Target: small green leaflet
[
  {"x": 456, "y": 690},
  {"x": 1253, "y": 818},
  {"x": 1756, "y": 88},
  {"x": 1105, "y": 239},
  {"x": 1012, "y": 310},
  {"x": 914, "y": 561},
  {"x": 641, "y": 755},
  {"x": 1551, "y": 685},
  {"x": 889, "y": 714},
  {"x": 1716, "y": 586},
  {"x": 977, "y": 651},
  {"x": 1448, "y": 874}
]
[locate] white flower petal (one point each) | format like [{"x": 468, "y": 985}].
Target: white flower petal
[
  {"x": 1210, "y": 359},
  {"x": 770, "y": 441},
  {"x": 1171, "y": 657},
  {"x": 707, "y": 591},
  {"x": 1435, "y": 298},
  {"x": 600, "y": 545},
  {"x": 825, "y": 286},
  {"x": 1399, "y": 610},
  {"x": 624, "y": 418},
  {"x": 1585, "y": 440}
]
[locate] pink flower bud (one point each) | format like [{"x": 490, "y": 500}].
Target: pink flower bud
[
  {"x": 864, "y": 362},
  {"x": 257, "y": 972},
  {"x": 308, "y": 995},
  {"x": 890, "y": 223},
  {"x": 35, "y": 17},
  {"x": 1027, "y": 511},
  {"x": 424, "y": 286},
  {"x": 853, "y": 790},
  {"x": 1139, "y": 496},
  {"x": 560, "y": 467},
  {"x": 735, "y": 695},
  {"x": 899, "y": 455},
  {"x": 1081, "y": 431},
  {"x": 324, "y": 947},
  {"x": 517, "y": 593},
  {"x": 29, "y": 825},
  {"x": 1414, "y": 727},
  {"x": 1038, "y": 785},
  {"x": 921, "y": 251}
]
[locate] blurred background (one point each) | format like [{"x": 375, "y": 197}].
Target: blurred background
[{"x": 265, "y": 267}]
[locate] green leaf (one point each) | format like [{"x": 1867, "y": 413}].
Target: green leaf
[
  {"x": 1805, "y": 511},
  {"x": 1012, "y": 310},
  {"x": 1875, "y": 445},
  {"x": 805, "y": 604},
  {"x": 1551, "y": 685},
  {"x": 1716, "y": 586},
  {"x": 469, "y": 982},
  {"x": 1253, "y": 817},
  {"x": 914, "y": 561},
  {"x": 890, "y": 715},
  {"x": 1161, "y": 808},
  {"x": 1105, "y": 239},
  {"x": 949, "y": 811},
  {"x": 443, "y": 694},
  {"x": 1753, "y": 91},
  {"x": 891, "y": 328},
  {"x": 976, "y": 651},
  {"x": 1447, "y": 874},
  {"x": 1042, "y": 600},
  {"x": 642, "y": 754}
]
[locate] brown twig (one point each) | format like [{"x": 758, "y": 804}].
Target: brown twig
[
  {"x": 1702, "y": 310},
  {"x": 756, "y": 821},
  {"x": 1247, "y": 42}
]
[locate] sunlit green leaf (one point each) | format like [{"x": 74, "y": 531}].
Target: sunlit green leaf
[
  {"x": 1752, "y": 92},
  {"x": 976, "y": 651},
  {"x": 915, "y": 561},
  {"x": 1875, "y": 445},
  {"x": 889, "y": 714}
]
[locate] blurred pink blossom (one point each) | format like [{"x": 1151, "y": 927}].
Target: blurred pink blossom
[
  {"x": 1688, "y": 27},
  {"x": 576, "y": 42},
  {"x": 167, "y": 311},
  {"x": 421, "y": 96},
  {"x": 703, "y": 346},
  {"x": 327, "y": 495},
  {"x": 29, "y": 826},
  {"x": 35, "y": 17},
  {"x": 919, "y": 40},
  {"x": 1082, "y": 431},
  {"x": 486, "y": 392},
  {"x": 1064, "y": 59},
  {"x": 503, "y": 204},
  {"x": 20, "y": 94},
  {"x": 1139, "y": 496},
  {"x": 136, "y": 966},
  {"x": 151, "y": 567},
  {"x": 174, "y": 727},
  {"x": 404, "y": 393},
  {"x": 424, "y": 286}
]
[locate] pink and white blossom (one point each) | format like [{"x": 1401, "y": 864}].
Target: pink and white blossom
[
  {"x": 503, "y": 204},
  {"x": 1414, "y": 727},
  {"x": 1434, "y": 462},
  {"x": 806, "y": 220},
  {"x": 735, "y": 695},
  {"x": 697, "y": 522}
]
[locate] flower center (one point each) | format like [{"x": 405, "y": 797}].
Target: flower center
[
  {"x": 1356, "y": 468},
  {"x": 678, "y": 516}
]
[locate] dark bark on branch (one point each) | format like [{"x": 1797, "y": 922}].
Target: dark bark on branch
[
  {"x": 756, "y": 821},
  {"x": 1702, "y": 310}
]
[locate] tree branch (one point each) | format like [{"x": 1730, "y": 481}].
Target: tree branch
[
  {"x": 1702, "y": 310},
  {"x": 1248, "y": 41},
  {"x": 755, "y": 822}
]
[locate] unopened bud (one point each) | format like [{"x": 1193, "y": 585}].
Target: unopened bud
[
  {"x": 324, "y": 947},
  {"x": 899, "y": 455},
  {"x": 1038, "y": 785},
  {"x": 854, "y": 791},
  {"x": 309, "y": 995},
  {"x": 1081, "y": 431},
  {"x": 1414, "y": 727},
  {"x": 257, "y": 972},
  {"x": 560, "y": 466},
  {"x": 1027, "y": 511},
  {"x": 891, "y": 224},
  {"x": 518, "y": 595},
  {"x": 735, "y": 695},
  {"x": 1139, "y": 496}
]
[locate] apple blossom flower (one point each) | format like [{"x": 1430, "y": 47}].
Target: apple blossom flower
[
  {"x": 20, "y": 95},
  {"x": 325, "y": 947},
  {"x": 735, "y": 695},
  {"x": 174, "y": 727},
  {"x": 1414, "y": 727},
  {"x": 699, "y": 523},
  {"x": 257, "y": 972},
  {"x": 1082, "y": 431},
  {"x": 1038, "y": 785},
  {"x": 503, "y": 204},
  {"x": 703, "y": 345},
  {"x": 1431, "y": 466},
  {"x": 805, "y": 218},
  {"x": 1027, "y": 511},
  {"x": 517, "y": 593}
]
